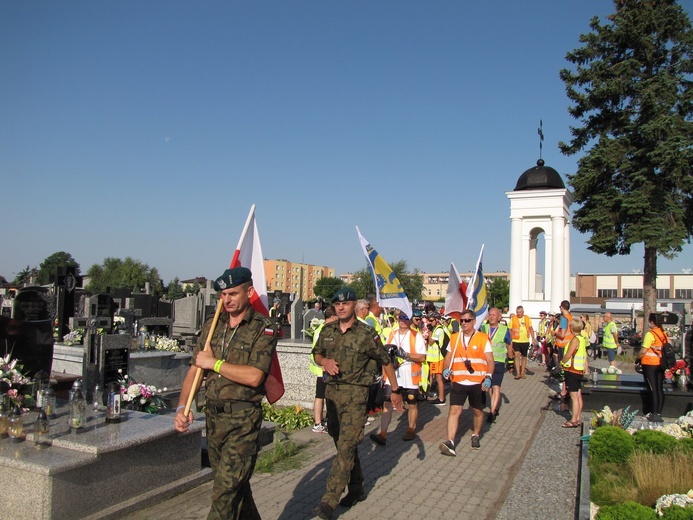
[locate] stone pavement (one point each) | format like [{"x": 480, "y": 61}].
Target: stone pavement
[{"x": 406, "y": 477}]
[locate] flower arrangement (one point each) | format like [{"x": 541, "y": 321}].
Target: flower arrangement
[
  {"x": 167, "y": 344},
  {"x": 141, "y": 397},
  {"x": 118, "y": 323},
  {"x": 621, "y": 418},
  {"x": 74, "y": 337},
  {"x": 679, "y": 369},
  {"x": 314, "y": 325},
  {"x": 12, "y": 379}
]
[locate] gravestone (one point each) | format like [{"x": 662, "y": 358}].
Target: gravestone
[
  {"x": 297, "y": 318},
  {"x": 66, "y": 279},
  {"x": 130, "y": 315},
  {"x": 157, "y": 326},
  {"x": 102, "y": 306},
  {"x": 309, "y": 316},
  {"x": 104, "y": 355},
  {"x": 81, "y": 302},
  {"x": 147, "y": 303},
  {"x": 29, "y": 336}
]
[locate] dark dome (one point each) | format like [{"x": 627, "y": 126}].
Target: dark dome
[{"x": 540, "y": 177}]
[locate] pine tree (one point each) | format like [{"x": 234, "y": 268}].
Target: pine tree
[{"x": 631, "y": 92}]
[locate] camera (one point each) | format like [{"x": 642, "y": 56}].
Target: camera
[{"x": 468, "y": 364}]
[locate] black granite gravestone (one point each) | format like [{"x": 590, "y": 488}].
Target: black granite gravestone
[
  {"x": 66, "y": 280},
  {"x": 102, "y": 306}
]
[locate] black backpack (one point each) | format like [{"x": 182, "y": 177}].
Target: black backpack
[{"x": 668, "y": 358}]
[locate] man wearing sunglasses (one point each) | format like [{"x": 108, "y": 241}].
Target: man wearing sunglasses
[{"x": 469, "y": 365}]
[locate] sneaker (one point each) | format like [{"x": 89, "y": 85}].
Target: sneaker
[
  {"x": 370, "y": 419},
  {"x": 378, "y": 438},
  {"x": 323, "y": 511},
  {"x": 324, "y": 427},
  {"x": 318, "y": 428},
  {"x": 447, "y": 448},
  {"x": 409, "y": 435},
  {"x": 437, "y": 402},
  {"x": 619, "y": 371},
  {"x": 475, "y": 442},
  {"x": 352, "y": 498},
  {"x": 490, "y": 417}
]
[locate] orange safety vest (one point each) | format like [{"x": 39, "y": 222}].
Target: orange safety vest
[
  {"x": 415, "y": 367},
  {"x": 653, "y": 355},
  {"x": 474, "y": 352},
  {"x": 562, "y": 343},
  {"x": 515, "y": 327}
]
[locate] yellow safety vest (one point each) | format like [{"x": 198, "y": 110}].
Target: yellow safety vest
[{"x": 577, "y": 361}]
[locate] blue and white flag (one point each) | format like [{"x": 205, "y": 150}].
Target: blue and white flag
[
  {"x": 477, "y": 297},
  {"x": 388, "y": 289}
]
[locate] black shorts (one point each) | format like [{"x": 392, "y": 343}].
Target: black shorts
[
  {"x": 459, "y": 394},
  {"x": 573, "y": 381},
  {"x": 320, "y": 386},
  {"x": 522, "y": 348}
]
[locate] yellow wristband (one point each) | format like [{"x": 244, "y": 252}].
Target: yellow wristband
[{"x": 217, "y": 365}]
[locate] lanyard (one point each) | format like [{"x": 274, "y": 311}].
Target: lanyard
[{"x": 224, "y": 343}]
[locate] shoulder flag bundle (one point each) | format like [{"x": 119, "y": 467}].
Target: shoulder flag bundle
[
  {"x": 477, "y": 298},
  {"x": 389, "y": 290}
]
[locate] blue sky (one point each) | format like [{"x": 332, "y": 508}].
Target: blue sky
[{"x": 148, "y": 129}]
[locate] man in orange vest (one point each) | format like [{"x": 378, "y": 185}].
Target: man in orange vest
[
  {"x": 470, "y": 365},
  {"x": 411, "y": 349},
  {"x": 521, "y": 332}
]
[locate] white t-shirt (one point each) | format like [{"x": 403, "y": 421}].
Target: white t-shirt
[{"x": 404, "y": 371}]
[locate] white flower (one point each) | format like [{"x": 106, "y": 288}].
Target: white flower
[{"x": 134, "y": 390}]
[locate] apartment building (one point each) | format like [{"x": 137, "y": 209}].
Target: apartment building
[{"x": 294, "y": 277}]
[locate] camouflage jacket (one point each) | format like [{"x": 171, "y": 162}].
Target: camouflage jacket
[
  {"x": 358, "y": 351},
  {"x": 252, "y": 343}
]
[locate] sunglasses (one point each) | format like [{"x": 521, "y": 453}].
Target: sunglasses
[{"x": 467, "y": 320}]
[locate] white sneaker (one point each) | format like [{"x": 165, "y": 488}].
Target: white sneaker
[
  {"x": 370, "y": 419},
  {"x": 318, "y": 428}
]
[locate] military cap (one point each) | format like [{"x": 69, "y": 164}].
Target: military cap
[
  {"x": 233, "y": 278},
  {"x": 345, "y": 294},
  {"x": 417, "y": 313}
]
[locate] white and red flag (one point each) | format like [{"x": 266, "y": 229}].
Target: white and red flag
[
  {"x": 249, "y": 254},
  {"x": 456, "y": 294}
]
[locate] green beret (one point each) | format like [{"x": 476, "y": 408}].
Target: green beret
[
  {"x": 345, "y": 294},
  {"x": 232, "y": 278}
]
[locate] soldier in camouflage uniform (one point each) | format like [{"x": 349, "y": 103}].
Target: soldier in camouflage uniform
[
  {"x": 243, "y": 344},
  {"x": 348, "y": 351}
]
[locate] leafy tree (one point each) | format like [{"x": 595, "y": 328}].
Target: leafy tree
[
  {"x": 498, "y": 292},
  {"x": 130, "y": 273},
  {"x": 327, "y": 286},
  {"x": 412, "y": 283},
  {"x": 50, "y": 264},
  {"x": 174, "y": 290},
  {"x": 631, "y": 92},
  {"x": 24, "y": 276}
]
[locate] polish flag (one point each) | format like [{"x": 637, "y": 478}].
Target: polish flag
[
  {"x": 456, "y": 294},
  {"x": 249, "y": 254}
]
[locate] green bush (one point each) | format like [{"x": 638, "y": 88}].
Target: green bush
[
  {"x": 678, "y": 513},
  {"x": 288, "y": 418},
  {"x": 611, "y": 444},
  {"x": 686, "y": 445},
  {"x": 626, "y": 511},
  {"x": 654, "y": 441}
]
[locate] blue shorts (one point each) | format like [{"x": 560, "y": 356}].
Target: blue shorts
[
  {"x": 611, "y": 353},
  {"x": 498, "y": 373}
]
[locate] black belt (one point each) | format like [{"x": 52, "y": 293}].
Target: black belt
[{"x": 231, "y": 407}]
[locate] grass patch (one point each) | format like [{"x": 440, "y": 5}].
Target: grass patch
[
  {"x": 283, "y": 456},
  {"x": 643, "y": 479},
  {"x": 626, "y": 358}
]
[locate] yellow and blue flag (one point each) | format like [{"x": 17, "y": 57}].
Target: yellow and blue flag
[
  {"x": 477, "y": 297},
  {"x": 389, "y": 290}
]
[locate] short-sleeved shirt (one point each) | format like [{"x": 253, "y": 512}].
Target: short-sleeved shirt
[
  {"x": 358, "y": 351},
  {"x": 251, "y": 343}
]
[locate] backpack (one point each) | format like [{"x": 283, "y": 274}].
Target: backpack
[{"x": 668, "y": 357}]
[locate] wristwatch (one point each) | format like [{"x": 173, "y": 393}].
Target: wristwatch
[{"x": 398, "y": 391}]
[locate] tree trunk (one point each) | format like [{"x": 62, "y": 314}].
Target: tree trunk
[{"x": 649, "y": 285}]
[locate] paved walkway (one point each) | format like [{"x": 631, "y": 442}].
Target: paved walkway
[{"x": 404, "y": 477}]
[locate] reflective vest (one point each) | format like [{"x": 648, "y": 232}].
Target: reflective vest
[
  {"x": 497, "y": 339},
  {"x": 415, "y": 367},
  {"x": 375, "y": 323},
  {"x": 654, "y": 353},
  {"x": 577, "y": 360},
  {"x": 474, "y": 352},
  {"x": 562, "y": 343},
  {"x": 608, "y": 340},
  {"x": 543, "y": 327},
  {"x": 313, "y": 366},
  {"x": 433, "y": 354},
  {"x": 515, "y": 327}
]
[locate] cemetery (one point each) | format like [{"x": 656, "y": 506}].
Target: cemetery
[{"x": 70, "y": 350}]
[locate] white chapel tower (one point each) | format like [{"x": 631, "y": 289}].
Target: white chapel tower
[{"x": 539, "y": 205}]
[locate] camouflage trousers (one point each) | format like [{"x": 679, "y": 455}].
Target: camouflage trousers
[
  {"x": 346, "y": 417},
  {"x": 233, "y": 442}
]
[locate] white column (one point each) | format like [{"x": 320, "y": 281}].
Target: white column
[
  {"x": 515, "y": 262},
  {"x": 558, "y": 293},
  {"x": 566, "y": 266},
  {"x": 532, "y": 278}
]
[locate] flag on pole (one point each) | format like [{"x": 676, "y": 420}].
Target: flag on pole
[
  {"x": 249, "y": 254},
  {"x": 476, "y": 294},
  {"x": 388, "y": 290},
  {"x": 456, "y": 295}
]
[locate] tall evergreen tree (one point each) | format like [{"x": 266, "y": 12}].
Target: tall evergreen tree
[{"x": 630, "y": 86}]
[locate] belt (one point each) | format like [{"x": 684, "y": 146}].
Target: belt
[{"x": 231, "y": 407}]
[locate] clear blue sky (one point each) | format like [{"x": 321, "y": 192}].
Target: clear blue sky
[{"x": 147, "y": 129}]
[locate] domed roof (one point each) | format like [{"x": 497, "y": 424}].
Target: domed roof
[{"x": 540, "y": 177}]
